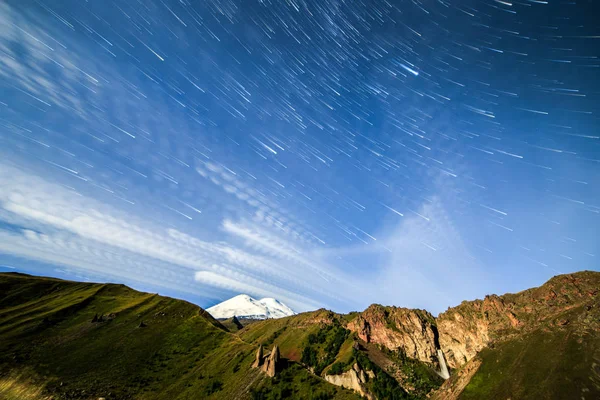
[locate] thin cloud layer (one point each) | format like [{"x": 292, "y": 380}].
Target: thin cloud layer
[{"x": 55, "y": 225}]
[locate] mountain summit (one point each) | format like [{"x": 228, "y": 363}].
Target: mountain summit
[{"x": 244, "y": 306}]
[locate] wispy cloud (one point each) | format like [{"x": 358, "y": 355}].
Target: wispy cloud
[
  {"x": 57, "y": 220},
  {"x": 62, "y": 228}
]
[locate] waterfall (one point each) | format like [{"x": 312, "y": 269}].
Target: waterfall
[{"x": 443, "y": 368}]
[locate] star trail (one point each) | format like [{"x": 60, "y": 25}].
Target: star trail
[{"x": 326, "y": 153}]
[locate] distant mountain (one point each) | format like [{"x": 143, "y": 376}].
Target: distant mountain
[{"x": 244, "y": 306}]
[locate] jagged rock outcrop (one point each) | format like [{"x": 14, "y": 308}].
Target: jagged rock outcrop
[
  {"x": 353, "y": 379},
  {"x": 259, "y": 357},
  {"x": 412, "y": 331},
  {"x": 271, "y": 363},
  {"x": 466, "y": 329},
  {"x": 462, "y": 331}
]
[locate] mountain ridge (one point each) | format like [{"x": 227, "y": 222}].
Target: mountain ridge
[{"x": 107, "y": 340}]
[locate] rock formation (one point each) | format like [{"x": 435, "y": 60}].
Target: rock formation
[
  {"x": 412, "y": 331},
  {"x": 271, "y": 363},
  {"x": 462, "y": 331},
  {"x": 353, "y": 379},
  {"x": 259, "y": 357}
]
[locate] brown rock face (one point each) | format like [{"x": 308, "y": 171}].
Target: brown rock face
[
  {"x": 259, "y": 357},
  {"x": 412, "y": 331},
  {"x": 271, "y": 364},
  {"x": 466, "y": 329},
  {"x": 353, "y": 379}
]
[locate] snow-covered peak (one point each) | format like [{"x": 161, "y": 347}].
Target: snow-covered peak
[{"x": 244, "y": 306}]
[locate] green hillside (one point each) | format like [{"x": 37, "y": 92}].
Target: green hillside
[
  {"x": 143, "y": 346},
  {"x": 560, "y": 360},
  {"x": 551, "y": 351}
]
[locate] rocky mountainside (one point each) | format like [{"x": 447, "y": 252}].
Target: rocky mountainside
[
  {"x": 413, "y": 331},
  {"x": 466, "y": 329},
  {"x": 69, "y": 340}
]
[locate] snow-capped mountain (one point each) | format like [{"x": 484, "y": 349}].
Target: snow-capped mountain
[{"x": 244, "y": 306}]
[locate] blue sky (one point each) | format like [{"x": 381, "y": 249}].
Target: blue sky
[{"x": 329, "y": 154}]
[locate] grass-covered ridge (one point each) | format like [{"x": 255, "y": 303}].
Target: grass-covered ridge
[{"x": 144, "y": 346}]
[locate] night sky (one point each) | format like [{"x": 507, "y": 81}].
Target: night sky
[{"x": 325, "y": 153}]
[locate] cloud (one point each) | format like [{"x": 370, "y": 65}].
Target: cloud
[
  {"x": 244, "y": 284},
  {"x": 58, "y": 221},
  {"x": 41, "y": 67},
  {"x": 425, "y": 262},
  {"x": 76, "y": 231}
]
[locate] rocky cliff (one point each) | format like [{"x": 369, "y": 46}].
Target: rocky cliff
[
  {"x": 462, "y": 331},
  {"x": 410, "y": 346},
  {"x": 354, "y": 379},
  {"x": 412, "y": 331},
  {"x": 466, "y": 329}
]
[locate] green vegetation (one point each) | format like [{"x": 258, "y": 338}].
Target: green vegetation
[
  {"x": 323, "y": 347},
  {"x": 140, "y": 346},
  {"x": 47, "y": 335},
  {"x": 213, "y": 387},
  {"x": 551, "y": 362},
  {"x": 232, "y": 324},
  {"x": 288, "y": 333},
  {"x": 336, "y": 368},
  {"x": 382, "y": 385},
  {"x": 417, "y": 375},
  {"x": 274, "y": 336},
  {"x": 309, "y": 356},
  {"x": 296, "y": 382}
]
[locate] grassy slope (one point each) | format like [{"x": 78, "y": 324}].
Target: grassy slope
[
  {"x": 296, "y": 382},
  {"x": 552, "y": 362},
  {"x": 47, "y": 341},
  {"x": 289, "y": 333}
]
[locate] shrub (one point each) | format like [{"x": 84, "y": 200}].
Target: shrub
[
  {"x": 309, "y": 356},
  {"x": 213, "y": 387},
  {"x": 337, "y": 368}
]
